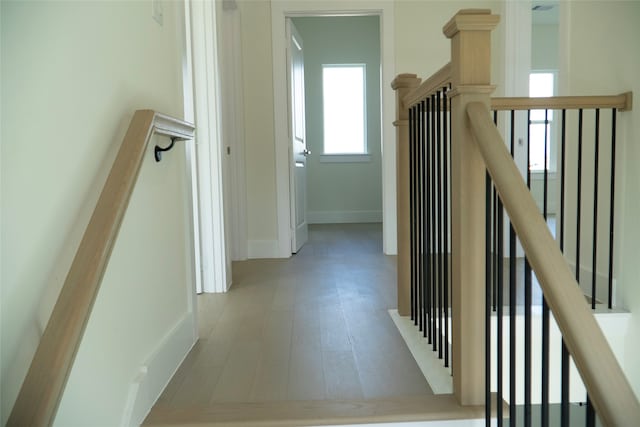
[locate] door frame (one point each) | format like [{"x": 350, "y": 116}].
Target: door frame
[
  {"x": 232, "y": 123},
  {"x": 208, "y": 205},
  {"x": 280, "y": 10}
]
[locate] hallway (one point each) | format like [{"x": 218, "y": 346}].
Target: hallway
[{"x": 313, "y": 327}]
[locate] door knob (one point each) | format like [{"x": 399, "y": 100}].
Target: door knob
[{"x": 306, "y": 152}]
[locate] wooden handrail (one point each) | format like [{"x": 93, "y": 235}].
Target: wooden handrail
[
  {"x": 439, "y": 79},
  {"x": 607, "y": 385},
  {"x": 622, "y": 102},
  {"x": 44, "y": 383}
]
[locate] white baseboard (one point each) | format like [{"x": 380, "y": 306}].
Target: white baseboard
[
  {"x": 433, "y": 370},
  {"x": 157, "y": 371},
  {"x": 343, "y": 217},
  {"x": 259, "y": 249}
]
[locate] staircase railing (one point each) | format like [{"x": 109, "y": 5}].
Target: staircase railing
[
  {"x": 44, "y": 383},
  {"x": 450, "y": 236}
]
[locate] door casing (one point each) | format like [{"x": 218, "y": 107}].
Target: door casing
[{"x": 281, "y": 10}]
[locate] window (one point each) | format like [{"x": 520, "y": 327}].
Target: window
[
  {"x": 541, "y": 84},
  {"x": 343, "y": 94}
]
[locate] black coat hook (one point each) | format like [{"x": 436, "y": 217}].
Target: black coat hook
[{"x": 158, "y": 150}]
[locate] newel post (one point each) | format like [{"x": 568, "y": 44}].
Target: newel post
[
  {"x": 403, "y": 84},
  {"x": 470, "y": 34}
]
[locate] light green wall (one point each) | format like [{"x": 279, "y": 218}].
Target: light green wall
[
  {"x": 604, "y": 59},
  {"x": 73, "y": 73},
  {"x": 342, "y": 187},
  {"x": 544, "y": 56},
  {"x": 544, "y": 47}
]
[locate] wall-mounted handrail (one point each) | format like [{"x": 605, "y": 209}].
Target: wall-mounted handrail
[
  {"x": 607, "y": 385},
  {"x": 44, "y": 383}
]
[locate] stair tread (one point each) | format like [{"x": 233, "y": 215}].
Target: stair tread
[{"x": 316, "y": 412}]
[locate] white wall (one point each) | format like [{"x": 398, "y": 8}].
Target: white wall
[
  {"x": 603, "y": 59},
  {"x": 72, "y": 75},
  {"x": 259, "y": 128},
  {"x": 342, "y": 192},
  {"x": 420, "y": 46}
]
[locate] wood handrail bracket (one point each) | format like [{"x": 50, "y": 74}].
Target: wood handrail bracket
[
  {"x": 44, "y": 383},
  {"x": 607, "y": 385}
]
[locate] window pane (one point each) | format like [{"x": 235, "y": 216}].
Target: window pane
[
  {"x": 540, "y": 85},
  {"x": 538, "y": 115},
  {"x": 343, "y": 98},
  {"x": 536, "y": 150}
]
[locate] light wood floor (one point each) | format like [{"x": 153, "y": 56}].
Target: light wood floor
[{"x": 311, "y": 328}]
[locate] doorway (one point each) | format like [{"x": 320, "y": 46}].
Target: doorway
[
  {"x": 343, "y": 167},
  {"x": 280, "y": 11}
]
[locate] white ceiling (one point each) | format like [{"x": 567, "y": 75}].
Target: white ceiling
[{"x": 546, "y": 17}]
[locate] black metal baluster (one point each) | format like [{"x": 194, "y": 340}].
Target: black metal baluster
[
  {"x": 487, "y": 298},
  {"x": 417, "y": 207},
  {"x": 423, "y": 271},
  {"x": 445, "y": 216},
  {"x": 512, "y": 305},
  {"x": 412, "y": 207},
  {"x": 495, "y": 251},
  {"x": 590, "y": 410},
  {"x": 563, "y": 143},
  {"x": 591, "y": 413},
  {"x": 450, "y": 213},
  {"x": 528, "y": 300},
  {"x": 546, "y": 166},
  {"x": 545, "y": 307},
  {"x": 579, "y": 194},
  {"x": 500, "y": 256},
  {"x": 424, "y": 229},
  {"x": 434, "y": 288},
  {"x": 440, "y": 234},
  {"x": 419, "y": 213},
  {"x": 545, "y": 364},
  {"x": 496, "y": 261},
  {"x": 564, "y": 363},
  {"x": 612, "y": 205},
  {"x": 594, "y": 255}
]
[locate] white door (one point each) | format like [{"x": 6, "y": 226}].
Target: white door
[{"x": 298, "y": 150}]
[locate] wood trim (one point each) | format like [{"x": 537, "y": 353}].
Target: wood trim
[
  {"x": 607, "y": 385},
  {"x": 317, "y": 412},
  {"x": 623, "y": 102},
  {"x": 470, "y": 34},
  {"x": 470, "y": 20},
  {"x": 403, "y": 84},
  {"x": 45, "y": 381},
  {"x": 172, "y": 127},
  {"x": 439, "y": 79}
]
